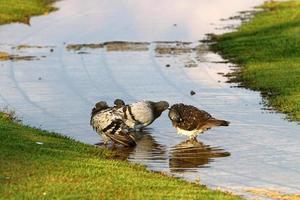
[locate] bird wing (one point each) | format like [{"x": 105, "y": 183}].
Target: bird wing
[
  {"x": 138, "y": 113},
  {"x": 110, "y": 123},
  {"x": 142, "y": 112},
  {"x": 191, "y": 117}
]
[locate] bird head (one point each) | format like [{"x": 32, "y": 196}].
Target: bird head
[
  {"x": 119, "y": 103},
  {"x": 101, "y": 105},
  {"x": 159, "y": 107},
  {"x": 174, "y": 115}
]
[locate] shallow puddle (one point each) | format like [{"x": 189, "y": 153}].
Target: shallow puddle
[{"x": 258, "y": 150}]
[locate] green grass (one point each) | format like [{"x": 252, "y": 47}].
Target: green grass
[
  {"x": 61, "y": 168},
  {"x": 22, "y": 10},
  {"x": 267, "y": 49}
]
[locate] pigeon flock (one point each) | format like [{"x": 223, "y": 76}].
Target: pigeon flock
[{"x": 120, "y": 122}]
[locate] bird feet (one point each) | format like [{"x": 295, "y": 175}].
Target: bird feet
[
  {"x": 102, "y": 144},
  {"x": 192, "y": 139}
]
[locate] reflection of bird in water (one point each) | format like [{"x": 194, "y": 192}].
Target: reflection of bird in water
[
  {"x": 146, "y": 148},
  {"x": 191, "y": 154},
  {"x": 108, "y": 122},
  {"x": 190, "y": 121}
]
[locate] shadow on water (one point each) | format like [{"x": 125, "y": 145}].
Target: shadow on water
[{"x": 191, "y": 155}]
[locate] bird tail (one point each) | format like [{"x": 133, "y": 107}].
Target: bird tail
[
  {"x": 217, "y": 122},
  {"x": 126, "y": 139}
]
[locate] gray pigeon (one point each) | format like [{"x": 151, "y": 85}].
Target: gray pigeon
[
  {"x": 108, "y": 122},
  {"x": 190, "y": 121},
  {"x": 142, "y": 113}
]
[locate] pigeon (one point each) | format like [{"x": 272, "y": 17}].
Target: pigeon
[
  {"x": 191, "y": 121},
  {"x": 108, "y": 122},
  {"x": 142, "y": 113}
]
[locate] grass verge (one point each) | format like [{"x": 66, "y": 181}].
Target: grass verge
[
  {"x": 35, "y": 164},
  {"x": 22, "y": 10},
  {"x": 267, "y": 49}
]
